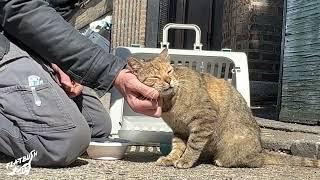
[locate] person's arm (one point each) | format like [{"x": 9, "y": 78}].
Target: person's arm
[
  {"x": 39, "y": 27},
  {"x": 67, "y": 8}
]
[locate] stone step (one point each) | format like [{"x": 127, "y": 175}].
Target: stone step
[{"x": 295, "y": 139}]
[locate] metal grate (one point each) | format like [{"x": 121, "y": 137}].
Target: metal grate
[{"x": 163, "y": 17}]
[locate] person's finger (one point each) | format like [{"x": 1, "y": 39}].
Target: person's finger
[
  {"x": 154, "y": 113},
  {"x": 76, "y": 90},
  {"x": 144, "y": 90},
  {"x": 67, "y": 88},
  {"x": 66, "y": 81},
  {"x": 150, "y": 112},
  {"x": 142, "y": 104},
  {"x": 73, "y": 90}
]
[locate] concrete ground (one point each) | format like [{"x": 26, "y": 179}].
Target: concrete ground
[
  {"x": 139, "y": 164},
  {"x": 296, "y": 139}
]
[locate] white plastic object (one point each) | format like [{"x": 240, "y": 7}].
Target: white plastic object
[
  {"x": 109, "y": 150},
  {"x": 120, "y": 112},
  {"x": 231, "y": 66},
  {"x": 144, "y": 129},
  {"x": 197, "y": 43}
]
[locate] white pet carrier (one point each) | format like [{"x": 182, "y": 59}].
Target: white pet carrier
[{"x": 231, "y": 66}]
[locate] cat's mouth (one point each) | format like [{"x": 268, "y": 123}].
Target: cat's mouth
[{"x": 167, "y": 92}]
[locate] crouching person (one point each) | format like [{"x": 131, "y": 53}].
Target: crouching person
[{"x": 50, "y": 77}]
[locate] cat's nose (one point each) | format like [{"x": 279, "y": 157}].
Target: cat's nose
[{"x": 172, "y": 83}]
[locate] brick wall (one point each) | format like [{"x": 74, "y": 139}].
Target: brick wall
[
  {"x": 255, "y": 27},
  {"x": 129, "y": 22}
]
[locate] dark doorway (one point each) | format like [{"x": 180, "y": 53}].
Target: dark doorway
[{"x": 206, "y": 14}]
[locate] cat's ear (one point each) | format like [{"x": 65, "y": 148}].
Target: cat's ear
[
  {"x": 134, "y": 65},
  {"x": 164, "y": 56}
]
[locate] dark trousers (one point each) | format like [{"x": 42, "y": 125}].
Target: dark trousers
[{"x": 36, "y": 114}]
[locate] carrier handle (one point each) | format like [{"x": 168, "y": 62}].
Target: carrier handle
[{"x": 197, "y": 44}]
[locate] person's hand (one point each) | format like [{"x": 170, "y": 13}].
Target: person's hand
[
  {"x": 141, "y": 98},
  {"x": 72, "y": 88}
]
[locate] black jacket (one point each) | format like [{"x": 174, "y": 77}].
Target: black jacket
[{"x": 41, "y": 29}]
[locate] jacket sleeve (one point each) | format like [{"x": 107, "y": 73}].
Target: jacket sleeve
[{"x": 39, "y": 27}]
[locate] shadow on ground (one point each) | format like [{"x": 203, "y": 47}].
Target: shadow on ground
[
  {"x": 5, "y": 159},
  {"x": 79, "y": 162},
  {"x": 141, "y": 157}
]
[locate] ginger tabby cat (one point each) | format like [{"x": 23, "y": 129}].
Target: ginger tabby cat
[{"x": 208, "y": 117}]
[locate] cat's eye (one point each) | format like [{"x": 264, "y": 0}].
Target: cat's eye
[
  {"x": 170, "y": 71},
  {"x": 153, "y": 78},
  {"x": 150, "y": 82}
]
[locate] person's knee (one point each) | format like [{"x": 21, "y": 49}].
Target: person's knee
[
  {"x": 101, "y": 127},
  {"x": 77, "y": 145},
  {"x": 95, "y": 113},
  {"x": 65, "y": 151}
]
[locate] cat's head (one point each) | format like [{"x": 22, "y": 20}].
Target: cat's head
[{"x": 156, "y": 73}]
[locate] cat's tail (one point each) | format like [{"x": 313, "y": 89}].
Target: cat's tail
[{"x": 284, "y": 159}]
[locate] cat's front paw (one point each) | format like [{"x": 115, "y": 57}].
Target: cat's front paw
[
  {"x": 183, "y": 164},
  {"x": 165, "y": 161}
]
